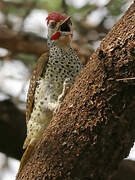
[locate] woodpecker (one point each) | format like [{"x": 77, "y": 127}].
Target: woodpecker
[{"x": 52, "y": 77}]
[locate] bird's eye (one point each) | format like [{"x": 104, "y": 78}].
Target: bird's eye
[{"x": 52, "y": 25}]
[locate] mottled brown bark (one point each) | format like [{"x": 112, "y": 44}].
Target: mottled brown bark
[{"x": 94, "y": 128}]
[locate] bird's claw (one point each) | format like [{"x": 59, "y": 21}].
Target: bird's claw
[{"x": 66, "y": 87}]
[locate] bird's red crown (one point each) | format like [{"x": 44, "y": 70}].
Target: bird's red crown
[{"x": 57, "y": 17}]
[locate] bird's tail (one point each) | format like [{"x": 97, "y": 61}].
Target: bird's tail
[
  {"x": 26, "y": 143},
  {"x": 25, "y": 156}
]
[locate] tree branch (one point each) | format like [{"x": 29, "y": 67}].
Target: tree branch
[
  {"x": 94, "y": 128},
  {"x": 64, "y": 6},
  {"x": 27, "y": 12},
  {"x": 4, "y": 4},
  {"x": 22, "y": 42},
  {"x": 30, "y": 43}
]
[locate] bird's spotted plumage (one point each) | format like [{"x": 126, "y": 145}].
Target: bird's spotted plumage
[
  {"x": 60, "y": 66},
  {"x": 33, "y": 83},
  {"x": 53, "y": 73}
]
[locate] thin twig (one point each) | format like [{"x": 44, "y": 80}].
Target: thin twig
[
  {"x": 126, "y": 79},
  {"x": 64, "y": 6},
  {"x": 122, "y": 79},
  {"x": 27, "y": 12}
]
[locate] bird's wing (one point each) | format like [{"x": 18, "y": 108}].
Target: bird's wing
[{"x": 41, "y": 63}]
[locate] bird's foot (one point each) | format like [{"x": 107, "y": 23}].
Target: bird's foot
[{"x": 66, "y": 87}]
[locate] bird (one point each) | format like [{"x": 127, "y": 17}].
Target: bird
[{"x": 52, "y": 77}]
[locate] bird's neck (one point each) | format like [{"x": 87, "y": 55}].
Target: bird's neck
[{"x": 52, "y": 45}]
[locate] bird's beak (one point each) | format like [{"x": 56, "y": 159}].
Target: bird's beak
[
  {"x": 65, "y": 27},
  {"x": 64, "y": 31},
  {"x": 66, "y": 20}
]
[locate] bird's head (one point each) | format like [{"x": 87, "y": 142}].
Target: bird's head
[{"x": 59, "y": 28}]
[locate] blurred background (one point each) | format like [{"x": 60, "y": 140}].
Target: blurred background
[{"x": 23, "y": 33}]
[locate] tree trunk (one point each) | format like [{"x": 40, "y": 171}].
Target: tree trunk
[{"x": 94, "y": 128}]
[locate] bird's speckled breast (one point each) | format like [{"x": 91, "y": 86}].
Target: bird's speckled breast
[{"x": 61, "y": 65}]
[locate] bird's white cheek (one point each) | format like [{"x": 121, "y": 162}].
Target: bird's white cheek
[{"x": 50, "y": 32}]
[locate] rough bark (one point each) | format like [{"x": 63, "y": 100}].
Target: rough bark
[
  {"x": 15, "y": 138},
  {"x": 12, "y": 129},
  {"x": 94, "y": 128}
]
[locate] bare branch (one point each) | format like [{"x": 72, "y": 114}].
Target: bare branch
[
  {"x": 28, "y": 11},
  {"x": 22, "y": 42},
  {"x": 4, "y": 4},
  {"x": 64, "y": 6},
  {"x": 32, "y": 44}
]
